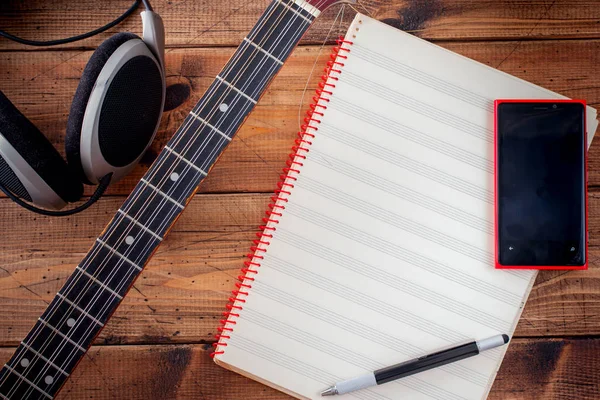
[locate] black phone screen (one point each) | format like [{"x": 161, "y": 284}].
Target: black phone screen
[{"x": 541, "y": 184}]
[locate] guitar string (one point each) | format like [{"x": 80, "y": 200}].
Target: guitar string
[
  {"x": 236, "y": 96},
  {"x": 188, "y": 166},
  {"x": 158, "y": 167},
  {"x": 302, "y": 107},
  {"x": 234, "y": 64}
]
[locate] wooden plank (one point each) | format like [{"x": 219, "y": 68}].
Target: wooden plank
[
  {"x": 549, "y": 369},
  {"x": 532, "y": 370},
  {"x": 178, "y": 298},
  {"x": 42, "y": 86},
  {"x": 181, "y": 294},
  {"x": 224, "y": 23}
]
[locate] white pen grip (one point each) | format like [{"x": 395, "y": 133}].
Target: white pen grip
[
  {"x": 360, "y": 382},
  {"x": 490, "y": 343}
]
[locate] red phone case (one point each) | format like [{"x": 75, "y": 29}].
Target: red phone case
[{"x": 496, "y": 239}]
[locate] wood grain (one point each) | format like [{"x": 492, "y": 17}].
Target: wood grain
[
  {"x": 224, "y": 23},
  {"x": 157, "y": 344},
  {"x": 42, "y": 85},
  {"x": 532, "y": 370},
  {"x": 181, "y": 294}
]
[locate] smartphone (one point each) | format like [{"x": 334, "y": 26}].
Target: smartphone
[{"x": 540, "y": 184}]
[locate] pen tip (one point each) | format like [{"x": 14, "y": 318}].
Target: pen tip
[
  {"x": 329, "y": 391},
  {"x": 506, "y": 338}
]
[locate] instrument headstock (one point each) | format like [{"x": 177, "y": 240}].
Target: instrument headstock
[{"x": 321, "y": 5}]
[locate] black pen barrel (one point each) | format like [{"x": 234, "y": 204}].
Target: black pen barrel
[{"x": 425, "y": 363}]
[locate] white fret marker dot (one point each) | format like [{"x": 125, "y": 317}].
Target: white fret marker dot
[
  {"x": 24, "y": 363},
  {"x": 174, "y": 176},
  {"x": 223, "y": 107},
  {"x": 49, "y": 380},
  {"x": 129, "y": 239},
  {"x": 70, "y": 322}
]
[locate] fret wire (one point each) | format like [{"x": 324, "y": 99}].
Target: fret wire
[
  {"x": 53, "y": 329},
  {"x": 235, "y": 60},
  {"x": 139, "y": 225},
  {"x": 185, "y": 152},
  {"x": 68, "y": 339},
  {"x": 301, "y": 27},
  {"x": 146, "y": 206},
  {"x": 179, "y": 136},
  {"x": 263, "y": 50},
  {"x": 118, "y": 254},
  {"x": 263, "y": 17},
  {"x": 166, "y": 196},
  {"x": 235, "y": 88},
  {"x": 101, "y": 284},
  {"x": 203, "y": 148},
  {"x": 264, "y": 39},
  {"x": 185, "y": 160},
  {"x": 33, "y": 385},
  {"x": 88, "y": 276},
  {"x": 173, "y": 178},
  {"x": 171, "y": 214},
  {"x": 166, "y": 222},
  {"x": 88, "y": 315},
  {"x": 205, "y": 122},
  {"x": 88, "y": 286},
  {"x": 146, "y": 229},
  {"x": 56, "y": 331},
  {"x": 56, "y": 367},
  {"x": 210, "y": 112},
  {"x": 250, "y": 76}
]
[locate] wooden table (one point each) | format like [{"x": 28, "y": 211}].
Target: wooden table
[{"x": 157, "y": 344}]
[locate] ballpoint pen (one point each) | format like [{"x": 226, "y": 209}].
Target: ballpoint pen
[{"x": 416, "y": 365}]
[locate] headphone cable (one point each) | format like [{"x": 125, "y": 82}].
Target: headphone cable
[
  {"x": 104, "y": 182},
  {"x": 126, "y": 14}
]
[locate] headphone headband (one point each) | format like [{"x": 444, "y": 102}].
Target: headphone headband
[
  {"x": 124, "y": 78},
  {"x": 153, "y": 34}
]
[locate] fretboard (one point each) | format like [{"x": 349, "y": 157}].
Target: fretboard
[{"x": 62, "y": 335}]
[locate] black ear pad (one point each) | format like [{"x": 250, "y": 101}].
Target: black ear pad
[
  {"x": 39, "y": 153},
  {"x": 82, "y": 95}
]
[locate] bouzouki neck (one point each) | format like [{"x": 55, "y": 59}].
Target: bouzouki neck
[{"x": 61, "y": 336}]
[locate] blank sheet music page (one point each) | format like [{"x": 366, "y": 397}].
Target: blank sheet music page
[{"x": 384, "y": 250}]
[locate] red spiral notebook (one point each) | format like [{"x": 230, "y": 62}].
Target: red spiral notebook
[{"x": 378, "y": 244}]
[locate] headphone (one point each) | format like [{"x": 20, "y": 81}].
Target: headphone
[{"x": 113, "y": 119}]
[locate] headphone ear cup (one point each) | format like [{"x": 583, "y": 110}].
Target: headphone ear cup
[
  {"x": 82, "y": 96},
  {"x": 33, "y": 169},
  {"x": 116, "y": 110}
]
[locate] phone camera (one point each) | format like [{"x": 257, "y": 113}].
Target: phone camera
[{"x": 554, "y": 106}]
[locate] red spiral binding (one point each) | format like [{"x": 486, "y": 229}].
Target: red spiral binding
[{"x": 281, "y": 194}]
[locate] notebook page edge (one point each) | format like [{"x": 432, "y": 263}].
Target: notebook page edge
[{"x": 526, "y": 294}]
